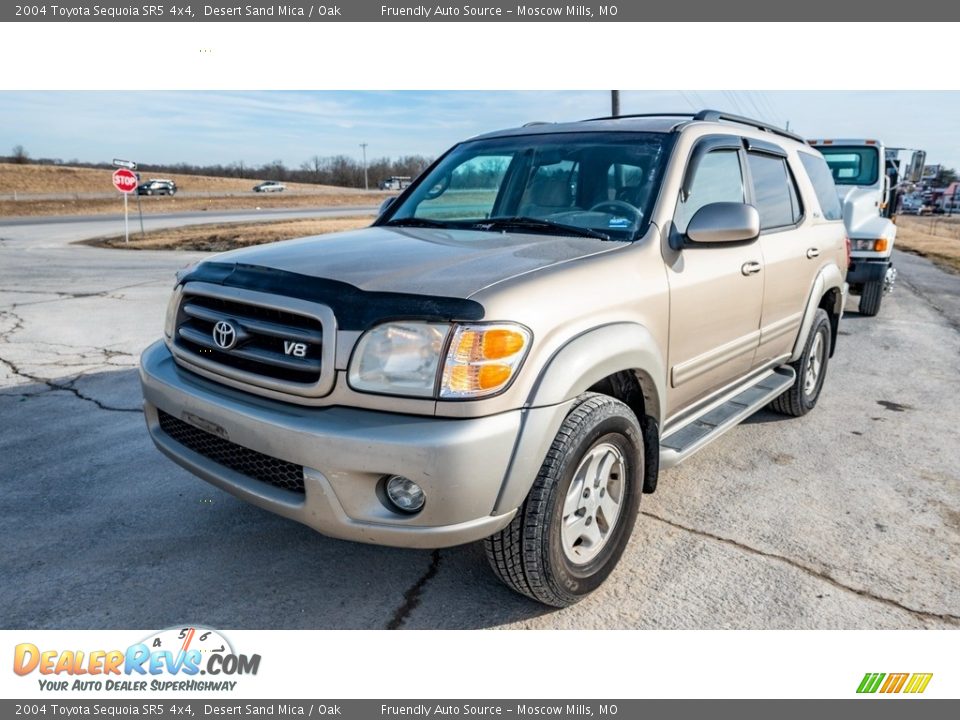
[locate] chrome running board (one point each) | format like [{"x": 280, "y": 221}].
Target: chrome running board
[{"x": 718, "y": 417}]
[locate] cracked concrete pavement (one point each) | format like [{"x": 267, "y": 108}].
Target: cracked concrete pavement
[{"x": 846, "y": 518}]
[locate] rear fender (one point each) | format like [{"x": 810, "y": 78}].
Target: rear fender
[{"x": 829, "y": 278}]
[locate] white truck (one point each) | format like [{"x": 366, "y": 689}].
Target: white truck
[{"x": 870, "y": 179}]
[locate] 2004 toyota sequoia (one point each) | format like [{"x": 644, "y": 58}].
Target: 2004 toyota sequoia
[{"x": 516, "y": 346}]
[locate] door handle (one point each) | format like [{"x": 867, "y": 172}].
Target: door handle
[
  {"x": 813, "y": 252},
  {"x": 750, "y": 268}
]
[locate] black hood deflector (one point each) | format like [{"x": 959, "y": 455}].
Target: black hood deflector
[{"x": 355, "y": 309}]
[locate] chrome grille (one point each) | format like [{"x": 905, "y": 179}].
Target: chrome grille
[{"x": 277, "y": 345}]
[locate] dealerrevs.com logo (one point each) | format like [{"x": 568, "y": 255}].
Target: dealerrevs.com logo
[{"x": 172, "y": 659}]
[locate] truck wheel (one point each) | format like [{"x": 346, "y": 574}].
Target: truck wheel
[
  {"x": 870, "y": 298},
  {"x": 811, "y": 370},
  {"x": 572, "y": 529}
]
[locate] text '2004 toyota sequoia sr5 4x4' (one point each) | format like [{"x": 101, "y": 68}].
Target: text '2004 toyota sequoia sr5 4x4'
[{"x": 517, "y": 345}]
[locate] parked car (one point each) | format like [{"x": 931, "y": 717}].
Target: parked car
[
  {"x": 517, "y": 346},
  {"x": 270, "y": 186},
  {"x": 157, "y": 187},
  {"x": 394, "y": 182}
]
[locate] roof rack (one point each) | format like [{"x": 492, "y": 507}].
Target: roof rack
[
  {"x": 641, "y": 115},
  {"x": 711, "y": 116},
  {"x": 717, "y": 116}
]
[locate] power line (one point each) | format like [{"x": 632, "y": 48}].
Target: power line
[
  {"x": 703, "y": 103},
  {"x": 732, "y": 99},
  {"x": 688, "y": 101},
  {"x": 756, "y": 107}
]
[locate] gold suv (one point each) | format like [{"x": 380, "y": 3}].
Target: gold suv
[{"x": 537, "y": 325}]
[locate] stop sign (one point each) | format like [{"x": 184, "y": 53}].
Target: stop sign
[{"x": 124, "y": 180}]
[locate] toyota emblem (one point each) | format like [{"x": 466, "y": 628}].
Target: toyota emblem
[{"x": 224, "y": 335}]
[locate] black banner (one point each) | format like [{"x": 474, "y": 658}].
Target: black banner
[{"x": 481, "y": 11}]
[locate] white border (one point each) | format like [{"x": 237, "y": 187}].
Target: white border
[
  {"x": 766, "y": 56},
  {"x": 349, "y": 664},
  {"x": 458, "y": 56}
]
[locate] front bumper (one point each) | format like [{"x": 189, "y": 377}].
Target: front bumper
[
  {"x": 461, "y": 464},
  {"x": 865, "y": 270}
]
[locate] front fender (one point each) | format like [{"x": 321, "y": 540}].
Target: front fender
[
  {"x": 590, "y": 357},
  {"x": 579, "y": 364}
]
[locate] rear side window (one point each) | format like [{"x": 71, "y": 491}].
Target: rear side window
[
  {"x": 718, "y": 179},
  {"x": 775, "y": 193},
  {"x": 823, "y": 185}
]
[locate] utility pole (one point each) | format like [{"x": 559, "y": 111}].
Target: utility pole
[
  {"x": 366, "y": 182},
  {"x": 615, "y": 103}
]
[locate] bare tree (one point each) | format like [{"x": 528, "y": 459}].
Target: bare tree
[{"x": 20, "y": 155}]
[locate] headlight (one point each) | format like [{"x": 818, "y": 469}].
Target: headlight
[
  {"x": 404, "y": 358},
  {"x": 399, "y": 359},
  {"x": 482, "y": 359},
  {"x": 878, "y": 245},
  {"x": 170, "y": 319}
]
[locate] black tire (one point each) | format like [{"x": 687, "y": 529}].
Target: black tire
[
  {"x": 799, "y": 400},
  {"x": 870, "y": 298},
  {"x": 528, "y": 554}
]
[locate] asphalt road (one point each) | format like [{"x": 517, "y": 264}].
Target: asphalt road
[{"x": 846, "y": 518}]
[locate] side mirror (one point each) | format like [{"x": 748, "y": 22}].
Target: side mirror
[
  {"x": 438, "y": 189},
  {"x": 917, "y": 160},
  {"x": 385, "y": 205},
  {"x": 724, "y": 222}
]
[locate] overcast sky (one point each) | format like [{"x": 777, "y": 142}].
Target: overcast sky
[{"x": 257, "y": 127}]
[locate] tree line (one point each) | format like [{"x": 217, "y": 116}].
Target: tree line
[{"x": 339, "y": 170}]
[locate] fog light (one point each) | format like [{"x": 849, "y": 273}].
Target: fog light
[{"x": 404, "y": 493}]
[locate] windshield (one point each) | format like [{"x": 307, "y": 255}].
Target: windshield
[
  {"x": 852, "y": 165},
  {"x": 599, "y": 182}
]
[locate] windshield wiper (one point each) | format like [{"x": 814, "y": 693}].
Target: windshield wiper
[
  {"x": 417, "y": 222},
  {"x": 529, "y": 223}
]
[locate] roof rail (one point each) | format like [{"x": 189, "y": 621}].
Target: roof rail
[
  {"x": 640, "y": 115},
  {"x": 711, "y": 116},
  {"x": 717, "y": 116},
  {"x": 536, "y": 122}
]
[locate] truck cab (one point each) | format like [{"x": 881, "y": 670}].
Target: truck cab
[{"x": 870, "y": 179}]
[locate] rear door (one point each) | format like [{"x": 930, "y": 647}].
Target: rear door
[
  {"x": 716, "y": 291},
  {"x": 790, "y": 251}
]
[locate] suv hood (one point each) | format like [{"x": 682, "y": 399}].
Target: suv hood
[{"x": 428, "y": 261}]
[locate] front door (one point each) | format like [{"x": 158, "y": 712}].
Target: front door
[{"x": 716, "y": 292}]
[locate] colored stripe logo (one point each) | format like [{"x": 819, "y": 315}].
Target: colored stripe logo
[{"x": 913, "y": 683}]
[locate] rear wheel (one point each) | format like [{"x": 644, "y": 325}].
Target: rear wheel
[
  {"x": 573, "y": 527},
  {"x": 811, "y": 369},
  {"x": 871, "y": 298}
]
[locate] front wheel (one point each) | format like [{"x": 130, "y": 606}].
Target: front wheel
[
  {"x": 871, "y": 298},
  {"x": 574, "y": 525}
]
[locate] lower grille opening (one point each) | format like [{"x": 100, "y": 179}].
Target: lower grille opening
[{"x": 265, "y": 468}]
